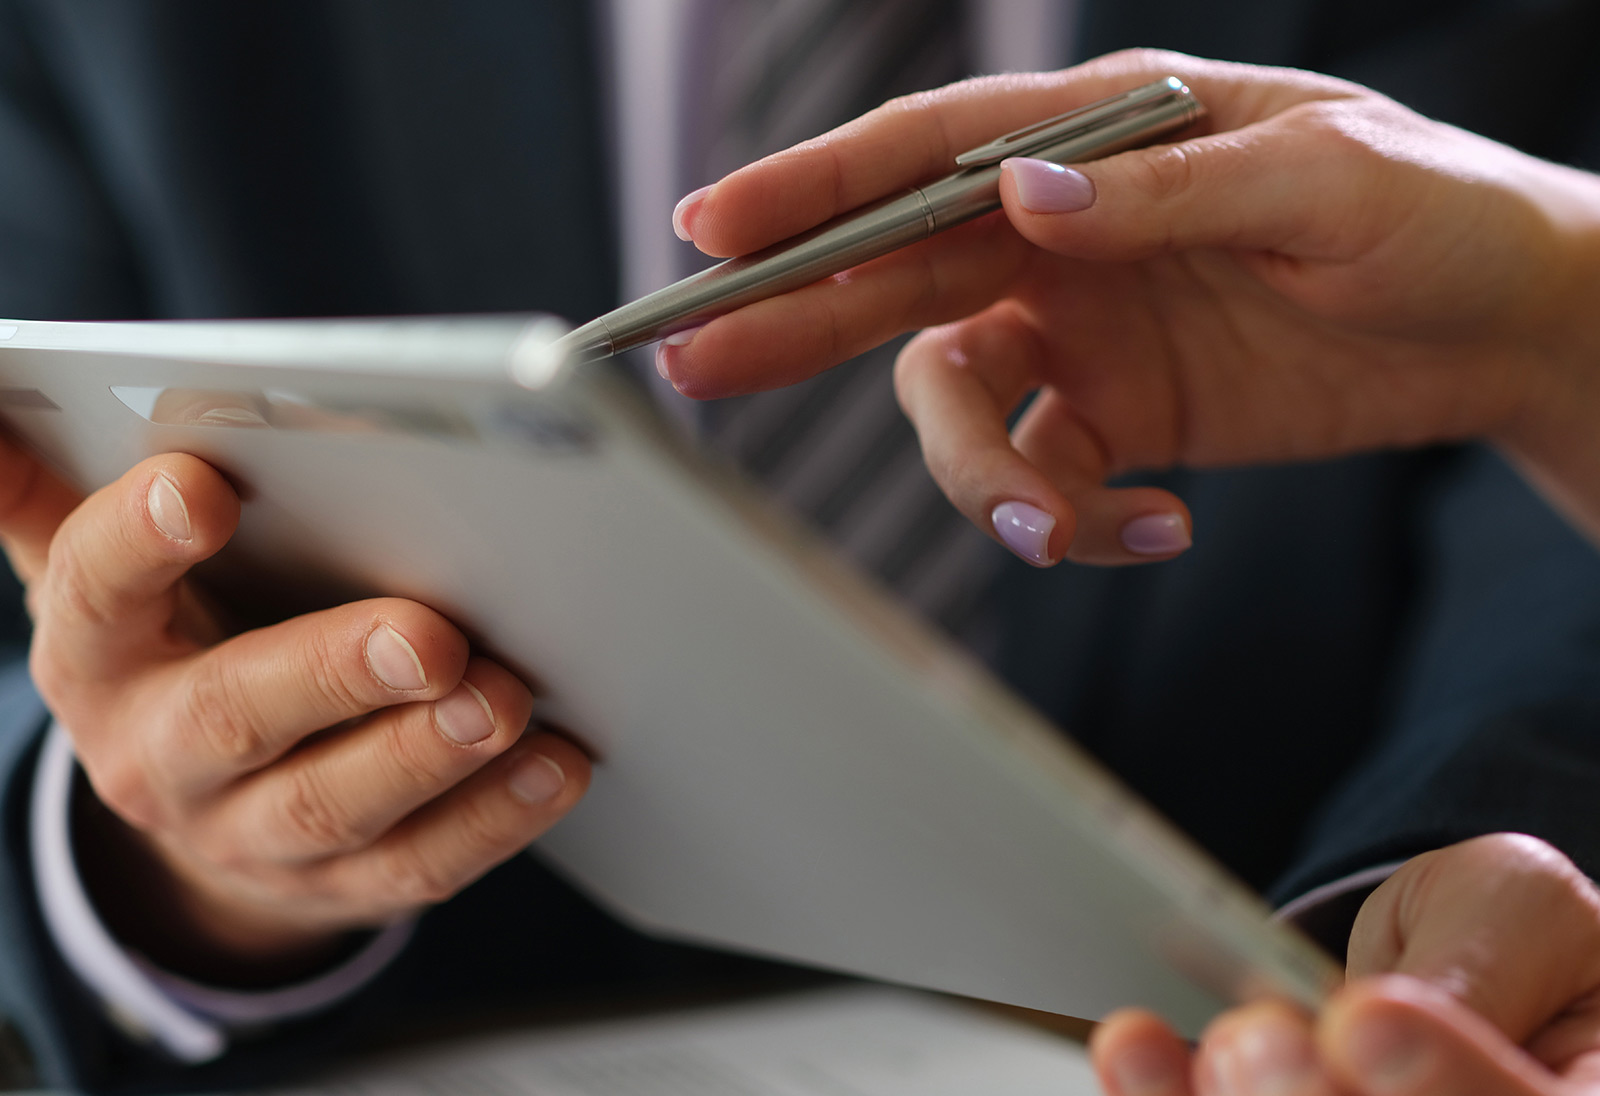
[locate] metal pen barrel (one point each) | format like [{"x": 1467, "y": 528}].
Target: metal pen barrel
[{"x": 878, "y": 229}]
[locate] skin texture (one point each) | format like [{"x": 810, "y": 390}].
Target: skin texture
[
  {"x": 279, "y": 787},
  {"x": 1316, "y": 272}
]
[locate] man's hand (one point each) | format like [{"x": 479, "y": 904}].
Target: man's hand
[
  {"x": 1474, "y": 971},
  {"x": 331, "y": 772},
  {"x": 1324, "y": 272}
]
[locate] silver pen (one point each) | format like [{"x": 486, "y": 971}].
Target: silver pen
[{"x": 1112, "y": 125}]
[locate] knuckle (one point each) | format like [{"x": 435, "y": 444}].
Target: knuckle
[
  {"x": 307, "y": 814},
  {"x": 328, "y": 676},
  {"x": 1168, "y": 172},
  {"x": 212, "y": 715},
  {"x": 407, "y": 743},
  {"x": 1137, "y": 57},
  {"x": 410, "y": 879},
  {"x": 481, "y": 831},
  {"x": 913, "y": 365},
  {"x": 52, "y": 675},
  {"x": 125, "y": 788},
  {"x": 1335, "y": 129},
  {"x": 222, "y": 849},
  {"x": 1143, "y": 61}
]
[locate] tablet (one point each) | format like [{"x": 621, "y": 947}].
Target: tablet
[{"x": 788, "y": 763}]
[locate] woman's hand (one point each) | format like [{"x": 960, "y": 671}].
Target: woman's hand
[
  {"x": 1323, "y": 272},
  {"x": 269, "y": 791},
  {"x": 1474, "y": 969}
]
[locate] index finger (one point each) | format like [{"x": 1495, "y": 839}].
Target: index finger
[{"x": 916, "y": 138}]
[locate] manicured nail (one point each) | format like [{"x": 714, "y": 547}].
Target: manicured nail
[
  {"x": 393, "y": 661},
  {"x": 1389, "y": 1055},
  {"x": 1025, "y": 530},
  {"x": 167, "y": 508},
  {"x": 1043, "y": 187},
  {"x": 683, "y": 213},
  {"x": 1140, "y": 1071},
  {"x": 1156, "y": 535},
  {"x": 667, "y": 346},
  {"x": 537, "y": 780},
  {"x": 464, "y": 717},
  {"x": 1272, "y": 1058}
]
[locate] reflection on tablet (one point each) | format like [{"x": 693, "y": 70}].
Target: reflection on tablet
[{"x": 280, "y": 409}]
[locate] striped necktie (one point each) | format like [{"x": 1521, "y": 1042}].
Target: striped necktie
[{"x": 763, "y": 75}]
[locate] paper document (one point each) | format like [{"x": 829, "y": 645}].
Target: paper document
[{"x": 859, "y": 1041}]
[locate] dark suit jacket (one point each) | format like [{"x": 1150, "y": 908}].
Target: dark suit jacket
[{"x": 1359, "y": 661}]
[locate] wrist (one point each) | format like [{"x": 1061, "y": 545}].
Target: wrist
[
  {"x": 1554, "y": 435},
  {"x": 154, "y": 905}
]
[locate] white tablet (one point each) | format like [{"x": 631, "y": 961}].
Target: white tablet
[{"x": 789, "y": 764}]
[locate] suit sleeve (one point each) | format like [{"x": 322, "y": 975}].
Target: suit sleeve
[{"x": 1494, "y": 721}]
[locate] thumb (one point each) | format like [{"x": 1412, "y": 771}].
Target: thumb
[
  {"x": 1296, "y": 182},
  {"x": 1505, "y": 924}
]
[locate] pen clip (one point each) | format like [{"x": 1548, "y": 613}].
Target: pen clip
[{"x": 1051, "y": 131}]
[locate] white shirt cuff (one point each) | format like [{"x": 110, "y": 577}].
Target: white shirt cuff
[
  {"x": 190, "y": 1021},
  {"x": 1367, "y": 879}
]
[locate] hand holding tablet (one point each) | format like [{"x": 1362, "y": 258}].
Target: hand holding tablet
[
  {"x": 786, "y": 763},
  {"x": 1324, "y": 273}
]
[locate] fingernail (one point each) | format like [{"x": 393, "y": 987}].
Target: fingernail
[
  {"x": 1139, "y": 1071},
  {"x": 683, "y": 213},
  {"x": 667, "y": 346},
  {"x": 393, "y": 661},
  {"x": 1271, "y": 1059},
  {"x": 537, "y": 780},
  {"x": 1156, "y": 535},
  {"x": 1389, "y": 1055},
  {"x": 1025, "y": 530},
  {"x": 1043, "y": 187},
  {"x": 167, "y": 508},
  {"x": 464, "y": 716}
]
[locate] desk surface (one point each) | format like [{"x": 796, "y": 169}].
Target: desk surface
[{"x": 849, "y": 1040}]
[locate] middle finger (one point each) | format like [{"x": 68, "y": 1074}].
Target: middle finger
[{"x": 340, "y": 793}]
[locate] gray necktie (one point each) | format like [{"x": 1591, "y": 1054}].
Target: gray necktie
[{"x": 765, "y": 74}]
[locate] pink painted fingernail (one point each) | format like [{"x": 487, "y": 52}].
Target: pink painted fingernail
[
  {"x": 538, "y": 779},
  {"x": 393, "y": 661},
  {"x": 167, "y": 508},
  {"x": 1389, "y": 1055},
  {"x": 1044, "y": 187},
  {"x": 1026, "y": 531},
  {"x": 1140, "y": 1071},
  {"x": 464, "y": 717},
  {"x": 667, "y": 348},
  {"x": 1156, "y": 535},
  {"x": 683, "y": 213}
]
